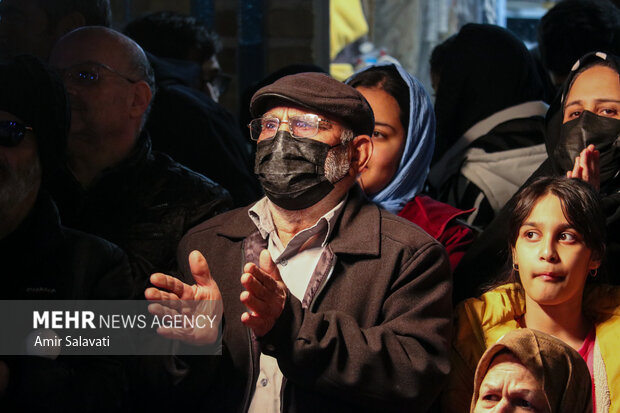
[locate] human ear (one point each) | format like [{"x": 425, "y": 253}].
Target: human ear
[
  {"x": 140, "y": 99},
  {"x": 361, "y": 152},
  {"x": 595, "y": 262},
  {"x": 513, "y": 255}
]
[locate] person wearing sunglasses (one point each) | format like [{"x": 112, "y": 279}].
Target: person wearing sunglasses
[
  {"x": 340, "y": 305},
  {"x": 42, "y": 259},
  {"x": 118, "y": 188}
]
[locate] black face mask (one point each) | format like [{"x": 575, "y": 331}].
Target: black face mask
[
  {"x": 292, "y": 170},
  {"x": 590, "y": 129}
]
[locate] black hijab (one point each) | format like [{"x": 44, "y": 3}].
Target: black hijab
[
  {"x": 556, "y": 142},
  {"x": 484, "y": 69}
]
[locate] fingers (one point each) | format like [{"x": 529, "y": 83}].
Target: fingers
[
  {"x": 259, "y": 325},
  {"x": 593, "y": 166},
  {"x": 260, "y": 276},
  {"x": 583, "y": 165},
  {"x": 267, "y": 264},
  {"x": 264, "y": 300},
  {"x": 199, "y": 268},
  {"x": 265, "y": 294},
  {"x": 576, "y": 173},
  {"x": 169, "y": 287},
  {"x": 258, "y": 307}
]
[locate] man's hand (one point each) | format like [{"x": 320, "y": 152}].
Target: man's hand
[
  {"x": 265, "y": 294},
  {"x": 201, "y": 299},
  {"x": 587, "y": 167}
]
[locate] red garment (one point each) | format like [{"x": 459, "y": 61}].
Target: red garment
[
  {"x": 439, "y": 221},
  {"x": 587, "y": 352}
]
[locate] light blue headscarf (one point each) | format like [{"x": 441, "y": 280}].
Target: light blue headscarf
[{"x": 420, "y": 144}]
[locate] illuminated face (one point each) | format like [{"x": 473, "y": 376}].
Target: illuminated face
[
  {"x": 337, "y": 163},
  {"x": 596, "y": 90},
  {"x": 388, "y": 140},
  {"x": 552, "y": 256},
  {"x": 509, "y": 386}
]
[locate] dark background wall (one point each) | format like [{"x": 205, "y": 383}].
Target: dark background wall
[{"x": 258, "y": 36}]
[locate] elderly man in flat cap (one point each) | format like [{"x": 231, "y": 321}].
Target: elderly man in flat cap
[{"x": 330, "y": 303}]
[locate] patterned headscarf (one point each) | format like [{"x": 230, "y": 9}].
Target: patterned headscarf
[{"x": 420, "y": 143}]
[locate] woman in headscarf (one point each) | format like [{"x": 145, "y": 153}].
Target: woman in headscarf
[
  {"x": 557, "y": 243},
  {"x": 583, "y": 120},
  {"x": 403, "y": 142},
  {"x": 530, "y": 371},
  {"x": 490, "y": 115}
]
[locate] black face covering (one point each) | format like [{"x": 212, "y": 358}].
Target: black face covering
[
  {"x": 590, "y": 129},
  {"x": 291, "y": 170}
]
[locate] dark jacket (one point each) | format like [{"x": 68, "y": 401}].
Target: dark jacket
[
  {"x": 43, "y": 260},
  {"x": 144, "y": 204},
  {"x": 483, "y": 172},
  {"x": 199, "y": 133},
  {"x": 372, "y": 336}
]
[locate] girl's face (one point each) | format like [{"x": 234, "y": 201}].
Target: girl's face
[
  {"x": 388, "y": 140},
  {"x": 596, "y": 90},
  {"x": 553, "y": 258}
]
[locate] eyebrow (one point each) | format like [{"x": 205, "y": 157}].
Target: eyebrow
[
  {"x": 597, "y": 101},
  {"x": 563, "y": 227},
  {"x": 386, "y": 125}
]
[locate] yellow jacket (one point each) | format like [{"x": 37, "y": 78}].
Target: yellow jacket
[{"x": 481, "y": 321}]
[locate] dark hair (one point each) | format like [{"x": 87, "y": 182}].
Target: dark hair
[
  {"x": 580, "y": 205},
  {"x": 95, "y": 12},
  {"x": 388, "y": 79},
  {"x": 573, "y": 28},
  {"x": 172, "y": 35},
  {"x": 440, "y": 53}
]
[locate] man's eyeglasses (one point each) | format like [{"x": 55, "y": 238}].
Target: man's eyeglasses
[
  {"x": 304, "y": 126},
  {"x": 89, "y": 73},
  {"x": 12, "y": 133}
]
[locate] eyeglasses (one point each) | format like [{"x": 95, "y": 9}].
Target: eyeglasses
[
  {"x": 12, "y": 133},
  {"x": 304, "y": 126},
  {"x": 89, "y": 73}
]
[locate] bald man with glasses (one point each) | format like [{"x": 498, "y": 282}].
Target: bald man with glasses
[{"x": 116, "y": 186}]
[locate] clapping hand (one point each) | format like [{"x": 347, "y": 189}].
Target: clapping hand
[
  {"x": 587, "y": 167},
  {"x": 201, "y": 299},
  {"x": 265, "y": 294}
]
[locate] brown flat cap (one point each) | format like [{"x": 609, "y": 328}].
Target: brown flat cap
[{"x": 321, "y": 94}]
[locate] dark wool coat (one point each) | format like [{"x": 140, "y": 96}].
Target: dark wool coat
[{"x": 372, "y": 336}]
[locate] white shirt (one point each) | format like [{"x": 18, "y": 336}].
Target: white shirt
[{"x": 296, "y": 263}]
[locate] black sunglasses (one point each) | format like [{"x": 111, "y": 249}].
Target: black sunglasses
[{"x": 12, "y": 133}]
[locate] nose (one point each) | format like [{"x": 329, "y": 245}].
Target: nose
[
  {"x": 288, "y": 125},
  {"x": 504, "y": 407},
  {"x": 548, "y": 250}
]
